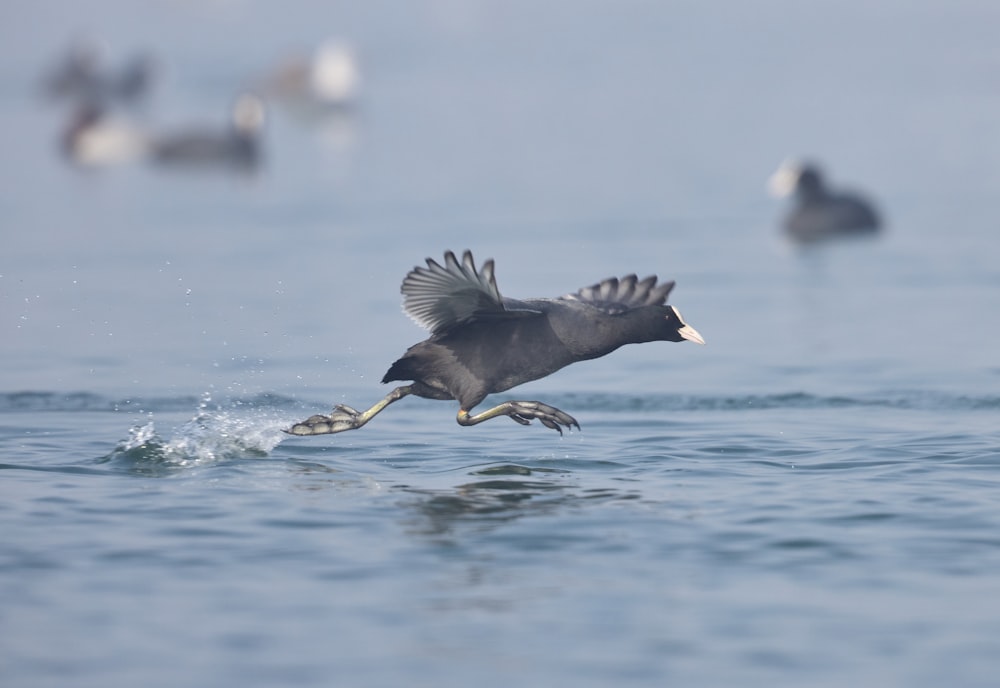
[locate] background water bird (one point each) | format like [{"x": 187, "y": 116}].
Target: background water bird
[
  {"x": 482, "y": 343},
  {"x": 819, "y": 213},
  {"x": 237, "y": 145},
  {"x": 327, "y": 80}
]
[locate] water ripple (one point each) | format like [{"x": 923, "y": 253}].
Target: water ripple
[
  {"x": 89, "y": 401},
  {"x": 605, "y": 402},
  {"x": 906, "y": 399}
]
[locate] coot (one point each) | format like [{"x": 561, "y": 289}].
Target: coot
[
  {"x": 237, "y": 146},
  {"x": 482, "y": 342},
  {"x": 820, "y": 213}
]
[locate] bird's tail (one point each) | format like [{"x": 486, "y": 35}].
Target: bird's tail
[{"x": 400, "y": 370}]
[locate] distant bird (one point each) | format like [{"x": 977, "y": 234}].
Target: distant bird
[
  {"x": 328, "y": 80},
  {"x": 93, "y": 139},
  {"x": 818, "y": 213},
  {"x": 81, "y": 76},
  {"x": 482, "y": 342},
  {"x": 237, "y": 145}
]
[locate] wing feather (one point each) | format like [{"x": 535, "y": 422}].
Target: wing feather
[
  {"x": 615, "y": 295},
  {"x": 440, "y": 296}
]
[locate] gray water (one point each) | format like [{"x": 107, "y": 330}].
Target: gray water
[{"x": 810, "y": 499}]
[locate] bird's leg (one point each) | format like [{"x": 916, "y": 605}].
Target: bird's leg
[
  {"x": 522, "y": 412},
  {"x": 343, "y": 417}
]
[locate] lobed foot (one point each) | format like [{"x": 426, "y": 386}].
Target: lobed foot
[
  {"x": 342, "y": 418},
  {"x": 522, "y": 412},
  {"x": 549, "y": 416}
]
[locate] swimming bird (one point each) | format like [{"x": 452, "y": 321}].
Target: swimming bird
[
  {"x": 819, "y": 213},
  {"x": 238, "y": 145},
  {"x": 328, "y": 80},
  {"x": 482, "y": 342}
]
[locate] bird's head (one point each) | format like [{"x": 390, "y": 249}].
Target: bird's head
[{"x": 680, "y": 330}]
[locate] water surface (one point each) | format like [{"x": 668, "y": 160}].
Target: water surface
[{"x": 808, "y": 500}]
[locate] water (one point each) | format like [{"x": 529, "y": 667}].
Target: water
[{"x": 808, "y": 500}]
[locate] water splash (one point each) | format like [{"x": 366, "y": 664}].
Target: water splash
[{"x": 212, "y": 435}]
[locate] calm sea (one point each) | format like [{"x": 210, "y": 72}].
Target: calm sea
[{"x": 810, "y": 499}]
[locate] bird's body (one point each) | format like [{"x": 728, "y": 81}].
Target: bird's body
[
  {"x": 482, "y": 343},
  {"x": 819, "y": 213},
  {"x": 329, "y": 79},
  {"x": 237, "y": 146},
  {"x": 440, "y": 364},
  {"x": 492, "y": 346},
  {"x": 207, "y": 148},
  {"x": 837, "y": 215}
]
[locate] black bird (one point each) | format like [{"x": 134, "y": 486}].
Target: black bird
[
  {"x": 482, "y": 342},
  {"x": 237, "y": 146},
  {"x": 819, "y": 213},
  {"x": 81, "y": 76}
]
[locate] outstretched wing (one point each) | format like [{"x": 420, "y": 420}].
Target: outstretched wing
[
  {"x": 440, "y": 296},
  {"x": 615, "y": 295}
]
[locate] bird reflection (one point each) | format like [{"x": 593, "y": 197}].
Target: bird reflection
[{"x": 507, "y": 492}]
